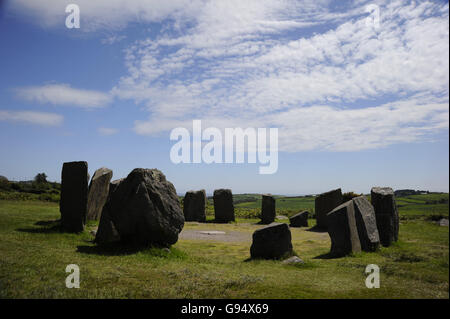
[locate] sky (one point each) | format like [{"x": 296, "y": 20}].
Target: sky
[{"x": 359, "y": 90}]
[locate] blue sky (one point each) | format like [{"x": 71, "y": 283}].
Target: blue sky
[{"x": 357, "y": 104}]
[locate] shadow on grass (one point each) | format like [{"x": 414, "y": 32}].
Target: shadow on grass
[
  {"x": 113, "y": 249},
  {"x": 328, "y": 255},
  {"x": 50, "y": 226},
  {"x": 317, "y": 229}
]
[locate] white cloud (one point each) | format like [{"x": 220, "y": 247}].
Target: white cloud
[
  {"x": 32, "y": 117},
  {"x": 63, "y": 94},
  {"x": 106, "y": 131},
  {"x": 230, "y": 70}
]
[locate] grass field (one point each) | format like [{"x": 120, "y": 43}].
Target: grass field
[{"x": 34, "y": 255}]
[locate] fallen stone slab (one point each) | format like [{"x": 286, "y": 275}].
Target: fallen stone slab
[
  {"x": 299, "y": 220},
  {"x": 223, "y": 205},
  {"x": 267, "y": 209},
  {"x": 98, "y": 192},
  {"x": 343, "y": 231},
  {"x": 194, "y": 206},
  {"x": 272, "y": 242},
  {"x": 325, "y": 203},
  {"x": 366, "y": 224},
  {"x": 74, "y": 193},
  {"x": 386, "y": 213}
]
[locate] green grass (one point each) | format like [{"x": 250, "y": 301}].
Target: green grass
[{"x": 34, "y": 255}]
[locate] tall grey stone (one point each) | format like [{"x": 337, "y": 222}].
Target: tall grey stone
[
  {"x": 107, "y": 232},
  {"x": 299, "y": 220},
  {"x": 98, "y": 192},
  {"x": 383, "y": 201},
  {"x": 194, "y": 206},
  {"x": 272, "y": 242},
  {"x": 366, "y": 224},
  {"x": 342, "y": 230},
  {"x": 325, "y": 203},
  {"x": 144, "y": 209},
  {"x": 74, "y": 193},
  {"x": 223, "y": 205},
  {"x": 268, "y": 209}
]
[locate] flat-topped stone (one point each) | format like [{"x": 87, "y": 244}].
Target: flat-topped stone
[{"x": 325, "y": 203}]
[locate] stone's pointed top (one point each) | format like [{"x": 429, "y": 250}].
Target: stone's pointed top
[
  {"x": 383, "y": 190},
  {"x": 102, "y": 171}
]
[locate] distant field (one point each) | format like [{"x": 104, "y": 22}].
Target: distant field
[{"x": 34, "y": 255}]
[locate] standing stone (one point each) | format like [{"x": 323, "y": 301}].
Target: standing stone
[
  {"x": 223, "y": 206},
  {"x": 366, "y": 224},
  {"x": 342, "y": 230},
  {"x": 272, "y": 242},
  {"x": 299, "y": 220},
  {"x": 107, "y": 232},
  {"x": 98, "y": 192},
  {"x": 383, "y": 201},
  {"x": 145, "y": 210},
  {"x": 74, "y": 193},
  {"x": 194, "y": 206},
  {"x": 268, "y": 209},
  {"x": 325, "y": 203}
]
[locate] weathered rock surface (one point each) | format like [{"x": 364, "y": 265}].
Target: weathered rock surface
[
  {"x": 342, "y": 230},
  {"x": 74, "y": 193},
  {"x": 144, "y": 209},
  {"x": 107, "y": 232},
  {"x": 268, "y": 209},
  {"x": 98, "y": 192},
  {"x": 223, "y": 206},
  {"x": 299, "y": 220},
  {"x": 386, "y": 213},
  {"x": 272, "y": 242},
  {"x": 194, "y": 205},
  {"x": 293, "y": 260},
  {"x": 366, "y": 224},
  {"x": 325, "y": 203}
]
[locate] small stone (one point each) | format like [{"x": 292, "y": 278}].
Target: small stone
[
  {"x": 293, "y": 260},
  {"x": 299, "y": 220}
]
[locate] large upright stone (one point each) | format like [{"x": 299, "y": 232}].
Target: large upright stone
[
  {"x": 342, "y": 230},
  {"x": 194, "y": 205},
  {"x": 145, "y": 210},
  {"x": 74, "y": 193},
  {"x": 325, "y": 203},
  {"x": 366, "y": 224},
  {"x": 98, "y": 192},
  {"x": 268, "y": 209},
  {"x": 299, "y": 220},
  {"x": 107, "y": 232},
  {"x": 272, "y": 242},
  {"x": 223, "y": 206},
  {"x": 383, "y": 201}
]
